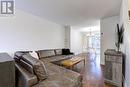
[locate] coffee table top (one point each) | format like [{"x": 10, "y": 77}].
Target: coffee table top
[{"x": 72, "y": 61}]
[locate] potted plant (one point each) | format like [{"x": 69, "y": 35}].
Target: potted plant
[{"x": 119, "y": 32}]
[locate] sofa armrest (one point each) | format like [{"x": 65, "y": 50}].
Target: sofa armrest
[{"x": 24, "y": 78}]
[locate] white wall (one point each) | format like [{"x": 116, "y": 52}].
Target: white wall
[
  {"x": 108, "y": 38},
  {"x": 25, "y": 31},
  {"x": 76, "y": 41},
  {"x": 77, "y": 37},
  {"x": 126, "y": 46}
]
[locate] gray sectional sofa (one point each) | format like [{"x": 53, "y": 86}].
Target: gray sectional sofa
[{"x": 32, "y": 72}]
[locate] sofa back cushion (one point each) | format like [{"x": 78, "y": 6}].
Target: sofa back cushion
[
  {"x": 18, "y": 54},
  {"x": 45, "y": 53},
  {"x": 24, "y": 78},
  {"x": 26, "y": 66},
  {"x": 58, "y": 51},
  {"x": 38, "y": 66}
]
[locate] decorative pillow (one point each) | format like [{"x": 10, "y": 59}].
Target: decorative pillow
[
  {"x": 38, "y": 66},
  {"x": 65, "y": 51},
  {"x": 34, "y": 54},
  {"x": 40, "y": 71}
]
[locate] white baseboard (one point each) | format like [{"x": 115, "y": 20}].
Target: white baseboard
[{"x": 125, "y": 85}]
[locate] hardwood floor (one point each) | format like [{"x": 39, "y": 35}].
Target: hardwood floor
[{"x": 93, "y": 73}]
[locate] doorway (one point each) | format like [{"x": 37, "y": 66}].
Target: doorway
[{"x": 91, "y": 43}]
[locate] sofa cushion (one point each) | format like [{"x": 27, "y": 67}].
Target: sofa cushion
[
  {"x": 45, "y": 53},
  {"x": 58, "y": 81},
  {"x": 38, "y": 66},
  {"x": 24, "y": 78},
  {"x": 60, "y": 77},
  {"x": 55, "y": 58},
  {"x": 58, "y": 51},
  {"x": 65, "y": 51}
]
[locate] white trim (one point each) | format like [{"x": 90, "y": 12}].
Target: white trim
[{"x": 125, "y": 85}]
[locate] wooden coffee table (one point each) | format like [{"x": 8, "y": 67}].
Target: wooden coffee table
[{"x": 70, "y": 63}]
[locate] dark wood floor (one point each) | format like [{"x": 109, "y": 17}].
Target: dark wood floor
[{"x": 93, "y": 73}]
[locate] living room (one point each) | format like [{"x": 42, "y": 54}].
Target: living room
[{"x": 48, "y": 28}]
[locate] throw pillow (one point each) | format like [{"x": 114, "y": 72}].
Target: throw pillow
[{"x": 34, "y": 54}]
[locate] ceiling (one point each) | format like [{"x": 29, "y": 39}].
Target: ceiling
[{"x": 70, "y": 12}]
